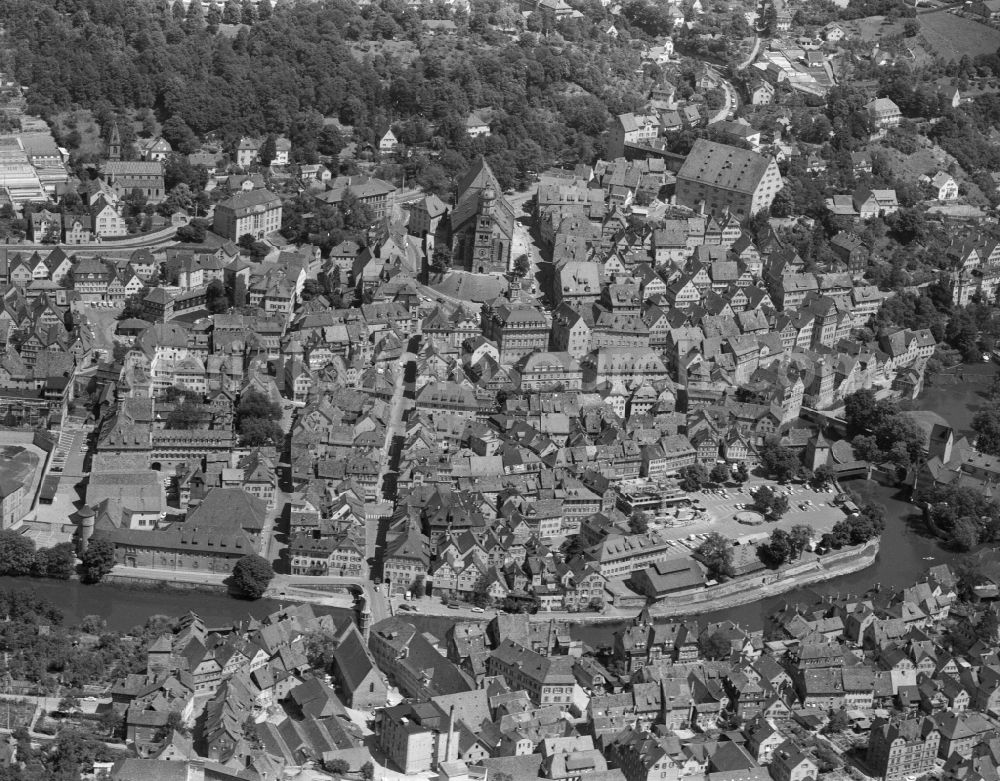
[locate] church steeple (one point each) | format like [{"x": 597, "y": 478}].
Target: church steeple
[
  {"x": 487, "y": 201},
  {"x": 115, "y": 144}
]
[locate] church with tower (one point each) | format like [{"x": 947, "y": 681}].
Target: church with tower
[
  {"x": 480, "y": 228},
  {"x": 130, "y": 176}
]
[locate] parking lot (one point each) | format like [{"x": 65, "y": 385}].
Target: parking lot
[{"x": 720, "y": 510}]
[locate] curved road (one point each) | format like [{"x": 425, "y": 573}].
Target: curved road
[
  {"x": 156, "y": 238},
  {"x": 752, "y": 56},
  {"x": 732, "y": 96}
]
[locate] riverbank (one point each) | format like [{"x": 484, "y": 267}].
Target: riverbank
[
  {"x": 725, "y": 596},
  {"x": 163, "y": 584},
  {"x": 767, "y": 586},
  {"x": 125, "y": 606},
  {"x": 742, "y": 591}
]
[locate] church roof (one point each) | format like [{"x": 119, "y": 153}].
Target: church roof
[{"x": 477, "y": 179}]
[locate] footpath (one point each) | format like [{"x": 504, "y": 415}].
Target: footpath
[{"x": 754, "y": 589}]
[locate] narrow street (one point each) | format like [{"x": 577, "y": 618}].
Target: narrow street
[
  {"x": 732, "y": 97},
  {"x": 396, "y": 428},
  {"x": 752, "y": 56}
]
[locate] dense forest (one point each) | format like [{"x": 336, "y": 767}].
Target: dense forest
[{"x": 551, "y": 97}]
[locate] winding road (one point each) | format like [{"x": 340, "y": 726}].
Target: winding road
[
  {"x": 732, "y": 96},
  {"x": 158, "y": 238},
  {"x": 752, "y": 56}
]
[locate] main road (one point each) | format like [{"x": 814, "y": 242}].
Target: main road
[{"x": 158, "y": 238}]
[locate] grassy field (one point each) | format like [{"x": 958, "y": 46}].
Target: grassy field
[
  {"x": 929, "y": 160},
  {"x": 924, "y": 161},
  {"x": 872, "y": 28},
  {"x": 952, "y": 36}
]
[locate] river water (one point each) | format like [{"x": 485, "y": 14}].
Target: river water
[
  {"x": 124, "y": 608},
  {"x": 906, "y": 551},
  {"x": 905, "y": 554},
  {"x": 902, "y": 559},
  {"x": 900, "y": 562}
]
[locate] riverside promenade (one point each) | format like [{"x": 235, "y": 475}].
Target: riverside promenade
[{"x": 810, "y": 570}]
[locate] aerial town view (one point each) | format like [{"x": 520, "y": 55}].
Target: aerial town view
[{"x": 498, "y": 390}]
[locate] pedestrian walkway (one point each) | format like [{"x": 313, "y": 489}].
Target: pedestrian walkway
[{"x": 171, "y": 576}]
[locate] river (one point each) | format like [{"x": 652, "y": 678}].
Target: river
[
  {"x": 906, "y": 551},
  {"x": 124, "y": 608},
  {"x": 901, "y": 561}
]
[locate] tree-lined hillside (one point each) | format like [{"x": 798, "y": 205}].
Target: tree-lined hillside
[{"x": 550, "y": 97}]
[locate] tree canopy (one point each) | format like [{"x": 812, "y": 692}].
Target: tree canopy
[
  {"x": 257, "y": 420},
  {"x": 881, "y": 433},
  {"x": 98, "y": 559},
  {"x": 867, "y": 524},
  {"x": 769, "y": 502},
  {"x": 305, "y": 61},
  {"x": 778, "y": 460},
  {"x": 963, "y": 515},
  {"x": 693, "y": 477},
  {"x": 716, "y": 553},
  {"x": 251, "y": 576}
]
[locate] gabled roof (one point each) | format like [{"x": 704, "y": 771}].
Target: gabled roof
[
  {"x": 477, "y": 179},
  {"x": 229, "y": 508}
]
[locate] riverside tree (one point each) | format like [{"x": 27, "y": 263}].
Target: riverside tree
[
  {"x": 98, "y": 559},
  {"x": 251, "y": 576},
  {"x": 716, "y": 553}
]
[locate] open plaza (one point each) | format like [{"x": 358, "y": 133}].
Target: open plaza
[{"x": 718, "y": 509}]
